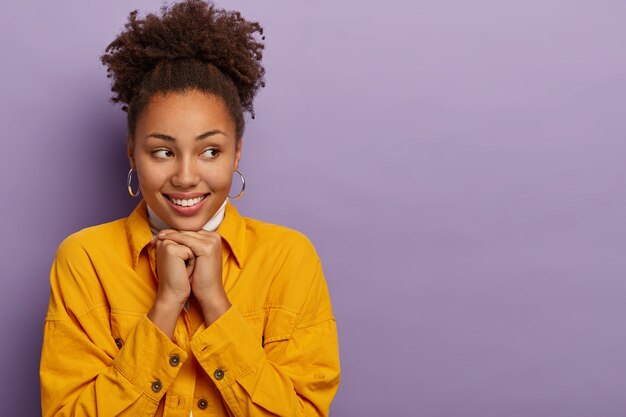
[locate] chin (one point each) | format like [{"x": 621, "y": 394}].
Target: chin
[
  {"x": 191, "y": 225},
  {"x": 188, "y": 217}
]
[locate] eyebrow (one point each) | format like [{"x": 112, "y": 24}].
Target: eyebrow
[{"x": 169, "y": 138}]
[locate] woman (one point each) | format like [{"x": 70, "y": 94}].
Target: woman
[{"x": 185, "y": 307}]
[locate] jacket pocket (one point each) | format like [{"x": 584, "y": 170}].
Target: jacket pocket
[
  {"x": 122, "y": 324},
  {"x": 278, "y": 327}
]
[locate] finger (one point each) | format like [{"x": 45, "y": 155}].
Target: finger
[
  {"x": 191, "y": 263},
  {"x": 201, "y": 234},
  {"x": 179, "y": 250},
  {"x": 200, "y": 245},
  {"x": 205, "y": 232},
  {"x": 155, "y": 238},
  {"x": 167, "y": 231}
]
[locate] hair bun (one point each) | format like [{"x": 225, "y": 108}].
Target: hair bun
[{"x": 191, "y": 29}]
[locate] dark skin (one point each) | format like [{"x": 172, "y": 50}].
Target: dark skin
[
  {"x": 188, "y": 262},
  {"x": 185, "y": 175}
]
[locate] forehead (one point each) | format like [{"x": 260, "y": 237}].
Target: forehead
[{"x": 185, "y": 113}]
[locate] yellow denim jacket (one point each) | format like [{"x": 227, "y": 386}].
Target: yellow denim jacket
[{"x": 274, "y": 352}]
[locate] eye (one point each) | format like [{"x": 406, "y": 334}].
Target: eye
[
  {"x": 211, "y": 152},
  {"x": 162, "y": 153}
]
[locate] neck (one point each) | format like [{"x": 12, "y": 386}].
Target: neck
[{"x": 157, "y": 224}]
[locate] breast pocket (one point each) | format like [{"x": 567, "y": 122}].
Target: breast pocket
[
  {"x": 278, "y": 325},
  {"x": 122, "y": 324}
]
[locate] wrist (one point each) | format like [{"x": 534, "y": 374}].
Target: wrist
[
  {"x": 214, "y": 307},
  {"x": 169, "y": 301},
  {"x": 164, "y": 314}
]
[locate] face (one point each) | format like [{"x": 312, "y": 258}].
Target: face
[{"x": 185, "y": 150}]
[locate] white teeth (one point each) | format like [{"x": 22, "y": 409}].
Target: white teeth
[{"x": 187, "y": 203}]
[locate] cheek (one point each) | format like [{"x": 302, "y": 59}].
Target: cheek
[
  {"x": 150, "y": 177},
  {"x": 220, "y": 179}
]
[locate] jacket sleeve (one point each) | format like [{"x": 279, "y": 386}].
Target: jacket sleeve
[
  {"x": 295, "y": 373},
  {"x": 83, "y": 370}
]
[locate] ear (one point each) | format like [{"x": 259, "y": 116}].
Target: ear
[
  {"x": 130, "y": 151},
  {"x": 238, "y": 153}
]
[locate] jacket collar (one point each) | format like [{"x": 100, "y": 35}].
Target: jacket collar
[{"x": 232, "y": 229}]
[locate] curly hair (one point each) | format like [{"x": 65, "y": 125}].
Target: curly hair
[{"x": 191, "y": 45}]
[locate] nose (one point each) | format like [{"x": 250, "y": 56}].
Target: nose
[{"x": 186, "y": 175}]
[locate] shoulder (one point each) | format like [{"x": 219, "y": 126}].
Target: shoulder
[
  {"x": 92, "y": 239},
  {"x": 288, "y": 255},
  {"x": 292, "y": 262},
  {"x": 79, "y": 260},
  {"x": 278, "y": 239}
]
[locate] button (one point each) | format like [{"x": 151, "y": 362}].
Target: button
[
  {"x": 219, "y": 373},
  {"x": 156, "y": 386},
  {"x": 174, "y": 360},
  {"x": 119, "y": 342},
  {"x": 202, "y": 404}
]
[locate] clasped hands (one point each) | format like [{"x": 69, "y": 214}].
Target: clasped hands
[{"x": 189, "y": 262}]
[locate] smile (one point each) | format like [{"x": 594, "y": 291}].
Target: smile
[
  {"x": 189, "y": 206},
  {"x": 186, "y": 203}
]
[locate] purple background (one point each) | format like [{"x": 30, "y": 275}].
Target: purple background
[{"x": 458, "y": 165}]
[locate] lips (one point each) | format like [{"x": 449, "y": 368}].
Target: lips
[{"x": 185, "y": 204}]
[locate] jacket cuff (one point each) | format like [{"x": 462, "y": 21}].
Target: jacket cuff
[
  {"x": 228, "y": 348},
  {"x": 149, "y": 359}
]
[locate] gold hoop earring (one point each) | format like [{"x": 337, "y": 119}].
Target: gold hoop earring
[
  {"x": 130, "y": 188},
  {"x": 243, "y": 185}
]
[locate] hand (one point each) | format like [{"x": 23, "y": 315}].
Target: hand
[
  {"x": 175, "y": 265},
  {"x": 206, "y": 276}
]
